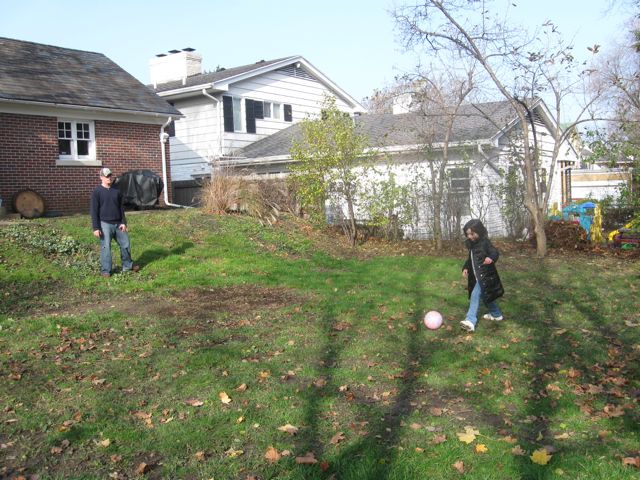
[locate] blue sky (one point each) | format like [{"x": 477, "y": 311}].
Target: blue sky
[{"x": 351, "y": 41}]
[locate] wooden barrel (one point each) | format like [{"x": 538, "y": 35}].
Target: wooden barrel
[{"x": 28, "y": 203}]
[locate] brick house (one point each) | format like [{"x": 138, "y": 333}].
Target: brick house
[{"x": 65, "y": 113}]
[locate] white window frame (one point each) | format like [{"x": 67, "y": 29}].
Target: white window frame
[
  {"x": 74, "y": 158},
  {"x": 275, "y": 110}
]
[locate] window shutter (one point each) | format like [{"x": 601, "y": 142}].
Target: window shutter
[
  {"x": 250, "y": 115},
  {"x": 288, "y": 115},
  {"x": 258, "y": 109},
  {"x": 227, "y": 105},
  {"x": 171, "y": 129}
]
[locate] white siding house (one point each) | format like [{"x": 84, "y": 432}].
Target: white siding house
[
  {"x": 480, "y": 152},
  {"x": 229, "y": 109}
]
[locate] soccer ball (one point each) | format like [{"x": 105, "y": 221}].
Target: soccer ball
[{"x": 433, "y": 320}]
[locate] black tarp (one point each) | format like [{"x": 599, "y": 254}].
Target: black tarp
[{"x": 140, "y": 188}]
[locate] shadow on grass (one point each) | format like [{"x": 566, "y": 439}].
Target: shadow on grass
[
  {"x": 375, "y": 455},
  {"x": 154, "y": 254},
  {"x": 556, "y": 351}
]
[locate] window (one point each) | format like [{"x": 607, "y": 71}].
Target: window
[
  {"x": 76, "y": 140},
  {"x": 272, "y": 110},
  {"x": 288, "y": 115},
  {"x": 459, "y": 190},
  {"x": 231, "y": 111}
]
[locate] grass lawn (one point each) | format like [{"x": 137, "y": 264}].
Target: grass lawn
[{"x": 249, "y": 352}]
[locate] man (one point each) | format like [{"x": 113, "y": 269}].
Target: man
[{"x": 109, "y": 221}]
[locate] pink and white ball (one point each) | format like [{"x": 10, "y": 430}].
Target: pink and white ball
[{"x": 433, "y": 320}]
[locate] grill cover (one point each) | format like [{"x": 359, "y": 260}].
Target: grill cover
[{"x": 139, "y": 188}]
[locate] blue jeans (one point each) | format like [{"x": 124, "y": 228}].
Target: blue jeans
[
  {"x": 109, "y": 232},
  {"x": 474, "y": 304}
]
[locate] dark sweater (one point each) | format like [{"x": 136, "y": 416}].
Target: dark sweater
[{"x": 106, "y": 206}]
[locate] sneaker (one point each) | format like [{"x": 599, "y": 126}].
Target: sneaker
[
  {"x": 488, "y": 316},
  {"x": 106, "y": 275},
  {"x": 136, "y": 268},
  {"x": 467, "y": 325}
]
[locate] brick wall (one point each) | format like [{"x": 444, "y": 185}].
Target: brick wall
[{"x": 29, "y": 150}]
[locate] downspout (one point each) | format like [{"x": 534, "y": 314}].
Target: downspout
[
  {"x": 163, "y": 139},
  {"x": 204, "y": 92}
]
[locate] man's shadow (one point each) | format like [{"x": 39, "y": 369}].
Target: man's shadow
[{"x": 155, "y": 254}]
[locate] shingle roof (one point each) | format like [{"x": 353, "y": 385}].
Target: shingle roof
[
  {"x": 211, "y": 77},
  {"x": 473, "y": 122},
  {"x": 33, "y": 72}
]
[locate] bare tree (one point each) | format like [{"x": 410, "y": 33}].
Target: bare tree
[
  {"x": 437, "y": 97},
  {"x": 521, "y": 67}
]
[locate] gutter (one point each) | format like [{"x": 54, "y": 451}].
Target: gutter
[
  {"x": 219, "y": 111},
  {"x": 163, "y": 139},
  {"x": 487, "y": 159},
  {"x": 87, "y": 107}
]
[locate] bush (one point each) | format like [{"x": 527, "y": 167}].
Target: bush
[
  {"x": 59, "y": 248},
  {"x": 234, "y": 191}
]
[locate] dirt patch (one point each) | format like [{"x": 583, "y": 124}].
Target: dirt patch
[{"x": 197, "y": 304}]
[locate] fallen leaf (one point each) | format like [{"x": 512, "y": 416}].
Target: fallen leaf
[
  {"x": 633, "y": 461},
  {"x": 459, "y": 466},
  {"x": 438, "y": 439},
  {"x": 104, "y": 443},
  {"x": 469, "y": 435},
  {"x": 240, "y": 419},
  {"x": 232, "y": 453},
  {"x": 562, "y": 436},
  {"x": 272, "y": 455},
  {"x": 142, "y": 468},
  {"x": 324, "y": 465},
  {"x": 115, "y": 458},
  {"x": 224, "y": 398},
  {"x": 481, "y": 448},
  {"x": 337, "y": 438},
  {"x": 435, "y": 411},
  {"x": 288, "y": 428},
  {"x": 573, "y": 373},
  {"x": 613, "y": 411},
  {"x": 517, "y": 450},
  {"x": 415, "y": 426},
  {"x": 199, "y": 456},
  {"x": 540, "y": 456},
  {"x": 192, "y": 402},
  {"x": 308, "y": 459},
  {"x": 241, "y": 388},
  {"x": 321, "y": 382}
]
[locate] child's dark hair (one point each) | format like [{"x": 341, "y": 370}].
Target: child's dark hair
[{"x": 475, "y": 225}]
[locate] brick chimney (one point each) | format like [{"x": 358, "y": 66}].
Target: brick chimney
[{"x": 175, "y": 65}]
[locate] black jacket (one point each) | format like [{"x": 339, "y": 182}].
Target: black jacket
[{"x": 490, "y": 283}]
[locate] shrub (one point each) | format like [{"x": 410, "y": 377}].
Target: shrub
[
  {"x": 59, "y": 248},
  {"x": 234, "y": 191}
]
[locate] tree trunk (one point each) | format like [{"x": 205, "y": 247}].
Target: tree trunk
[{"x": 352, "y": 221}]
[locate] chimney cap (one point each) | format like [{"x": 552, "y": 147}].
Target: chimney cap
[
  {"x": 174, "y": 51},
  {"x": 161, "y": 55},
  {"x": 188, "y": 49}
]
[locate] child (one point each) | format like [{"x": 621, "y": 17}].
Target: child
[{"x": 480, "y": 270}]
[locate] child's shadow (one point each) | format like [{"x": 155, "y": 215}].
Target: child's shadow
[{"x": 152, "y": 255}]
